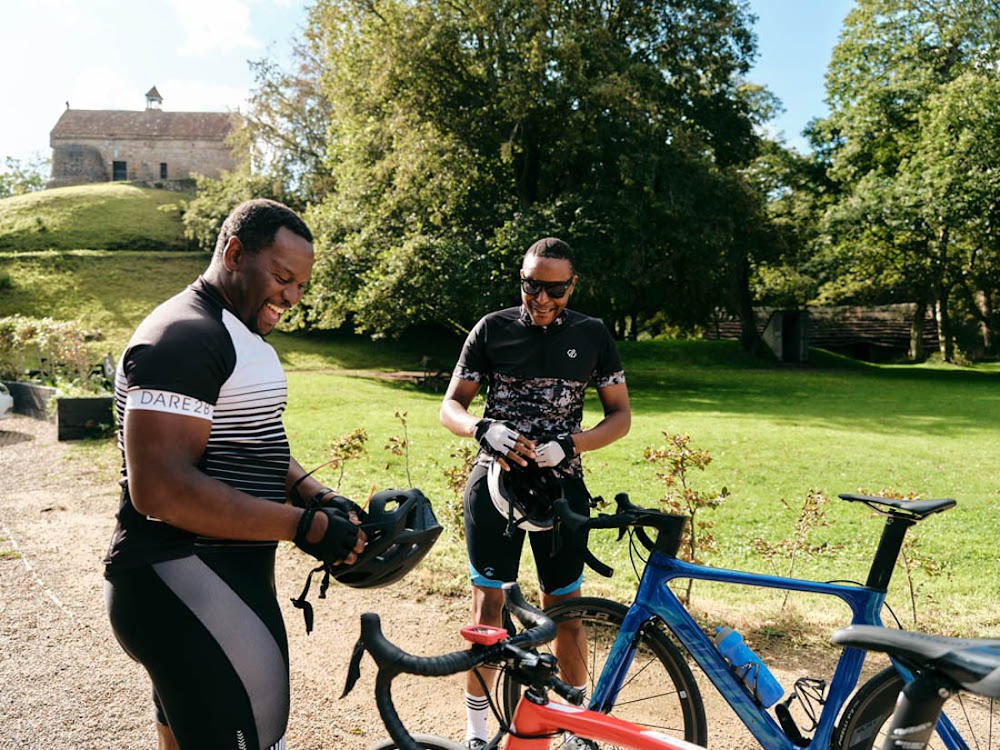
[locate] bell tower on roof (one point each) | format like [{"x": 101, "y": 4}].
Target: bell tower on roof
[{"x": 153, "y": 99}]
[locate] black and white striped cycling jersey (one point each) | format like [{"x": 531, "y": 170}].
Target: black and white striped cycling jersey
[{"x": 193, "y": 356}]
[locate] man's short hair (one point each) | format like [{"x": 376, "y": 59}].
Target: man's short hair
[
  {"x": 552, "y": 247},
  {"x": 255, "y": 222}
]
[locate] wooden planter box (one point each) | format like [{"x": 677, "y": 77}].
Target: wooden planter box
[{"x": 78, "y": 418}]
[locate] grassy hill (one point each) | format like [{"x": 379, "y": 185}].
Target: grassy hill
[
  {"x": 106, "y": 291},
  {"x": 108, "y": 216}
]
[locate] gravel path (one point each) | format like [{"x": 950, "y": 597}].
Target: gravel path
[{"x": 64, "y": 681}]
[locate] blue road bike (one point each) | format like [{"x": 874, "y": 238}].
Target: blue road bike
[{"x": 640, "y": 673}]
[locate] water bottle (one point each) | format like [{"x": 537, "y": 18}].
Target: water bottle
[{"x": 748, "y": 666}]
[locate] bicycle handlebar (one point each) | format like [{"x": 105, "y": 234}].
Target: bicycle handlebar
[
  {"x": 669, "y": 527},
  {"x": 392, "y": 660}
]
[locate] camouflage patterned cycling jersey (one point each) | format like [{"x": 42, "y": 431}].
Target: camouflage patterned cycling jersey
[{"x": 536, "y": 377}]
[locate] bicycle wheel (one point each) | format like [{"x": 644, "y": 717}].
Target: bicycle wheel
[
  {"x": 866, "y": 719},
  {"x": 426, "y": 741},
  {"x": 659, "y": 690}
]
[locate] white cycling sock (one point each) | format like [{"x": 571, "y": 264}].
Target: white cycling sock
[{"x": 476, "y": 711}]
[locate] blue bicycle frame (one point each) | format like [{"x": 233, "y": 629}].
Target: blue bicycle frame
[{"x": 655, "y": 600}]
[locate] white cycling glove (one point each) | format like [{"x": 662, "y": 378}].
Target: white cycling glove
[
  {"x": 555, "y": 452},
  {"x": 495, "y": 436}
]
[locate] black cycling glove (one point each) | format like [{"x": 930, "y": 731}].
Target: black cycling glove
[
  {"x": 337, "y": 541},
  {"x": 327, "y": 498}
]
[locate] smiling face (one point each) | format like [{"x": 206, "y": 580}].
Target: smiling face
[
  {"x": 542, "y": 308},
  {"x": 263, "y": 285}
]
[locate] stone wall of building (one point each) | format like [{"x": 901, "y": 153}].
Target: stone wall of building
[
  {"x": 87, "y": 160},
  {"x": 77, "y": 164}
]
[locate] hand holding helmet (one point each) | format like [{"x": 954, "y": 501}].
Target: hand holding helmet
[
  {"x": 401, "y": 528},
  {"x": 496, "y": 437},
  {"x": 327, "y": 498},
  {"x": 555, "y": 452},
  {"x": 524, "y": 495},
  {"x": 339, "y": 540}
]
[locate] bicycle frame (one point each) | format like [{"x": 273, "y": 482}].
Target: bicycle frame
[
  {"x": 534, "y": 724},
  {"x": 655, "y": 600}
]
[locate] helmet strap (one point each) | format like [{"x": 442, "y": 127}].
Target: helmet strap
[{"x": 302, "y": 603}]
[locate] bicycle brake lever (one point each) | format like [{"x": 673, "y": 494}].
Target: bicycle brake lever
[
  {"x": 597, "y": 566},
  {"x": 354, "y": 668}
]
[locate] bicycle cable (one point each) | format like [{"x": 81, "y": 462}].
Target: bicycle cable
[{"x": 888, "y": 608}]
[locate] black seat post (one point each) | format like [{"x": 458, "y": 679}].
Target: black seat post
[{"x": 887, "y": 552}]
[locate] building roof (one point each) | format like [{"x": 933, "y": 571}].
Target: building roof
[{"x": 150, "y": 123}]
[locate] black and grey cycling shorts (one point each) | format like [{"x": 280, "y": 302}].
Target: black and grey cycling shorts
[
  {"x": 208, "y": 629},
  {"x": 494, "y": 558}
]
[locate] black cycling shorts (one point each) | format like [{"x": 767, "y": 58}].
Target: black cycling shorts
[
  {"x": 208, "y": 629},
  {"x": 494, "y": 558}
]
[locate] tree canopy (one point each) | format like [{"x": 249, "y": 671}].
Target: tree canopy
[
  {"x": 20, "y": 176},
  {"x": 461, "y": 132},
  {"x": 912, "y": 88},
  {"x": 431, "y": 141}
]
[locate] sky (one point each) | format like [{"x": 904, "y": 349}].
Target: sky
[{"x": 106, "y": 54}]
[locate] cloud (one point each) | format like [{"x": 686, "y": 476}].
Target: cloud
[
  {"x": 102, "y": 87},
  {"x": 106, "y": 88},
  {"x": 197, "y": 96},
  {"x": 218, "y": 27}
]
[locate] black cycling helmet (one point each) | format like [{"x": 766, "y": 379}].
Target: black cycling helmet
[
  {"x": 524, "y": 494},
  {"x": 401, "y": 529}
]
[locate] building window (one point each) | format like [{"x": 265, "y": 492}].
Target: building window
[
  {"x": 163, "y": 170},
  {"x": 119, "y": 170}
]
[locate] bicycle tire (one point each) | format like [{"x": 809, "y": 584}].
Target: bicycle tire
[
  {"x": 659, "y": 691},
  {"x": 426, "y": 741},
  {"x": 866, "y": 718}
]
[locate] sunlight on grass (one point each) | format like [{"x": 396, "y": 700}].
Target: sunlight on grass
[
  {"x": 106, "y": 291},
  {"x": 864, "y": 431},
  {"x": 774, "y": 434},
  {"x": 113, "y": 215}
]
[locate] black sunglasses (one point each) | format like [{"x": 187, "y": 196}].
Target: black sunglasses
[{"x": 555, "y": 289}]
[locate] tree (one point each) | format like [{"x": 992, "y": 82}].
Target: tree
[
  {"x": 461, "y": 131},
  {"x": 284, "y": 130},
  {"x": 20, "y": 176},
  {"x": 897, "y": 229},
  {"x": 956, "y": 164},
  {"x": 204, "y": 214}
]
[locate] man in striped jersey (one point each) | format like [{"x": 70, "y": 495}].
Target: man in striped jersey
[{"x": 207, "y": 474}]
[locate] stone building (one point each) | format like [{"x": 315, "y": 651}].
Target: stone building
[{"x": 151, "y": 146}]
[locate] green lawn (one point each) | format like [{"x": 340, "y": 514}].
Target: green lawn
[
  {"x": 114, "y": 216},
  {"x": 106, "y": 291},
  {"x": 774, "y": 434}
]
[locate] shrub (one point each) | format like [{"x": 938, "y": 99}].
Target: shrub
[{"x": 50, "y": 351}]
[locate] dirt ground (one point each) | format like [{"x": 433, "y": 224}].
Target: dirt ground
[{"x": 64, "y": 681}]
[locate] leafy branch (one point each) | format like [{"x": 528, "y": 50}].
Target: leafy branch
[{"x": 675, "y": 461}]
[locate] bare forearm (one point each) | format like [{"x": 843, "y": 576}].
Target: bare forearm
[
  {"x": 613, "y": 427},
  {"x": 193, "y": 501},
  {"x": 458, "y": 419},
  {"x": 305, "y": 487}
]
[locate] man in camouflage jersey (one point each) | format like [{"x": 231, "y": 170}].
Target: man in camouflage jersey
[{"x": 537, "y": 360}]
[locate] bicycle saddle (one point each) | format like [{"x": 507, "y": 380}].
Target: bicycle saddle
[
  {"x": 918, "y": 509},
  {"x": 971, "y": 663}
]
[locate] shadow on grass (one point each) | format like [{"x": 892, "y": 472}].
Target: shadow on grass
[{"x": 879, "y": 400}]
